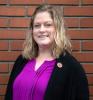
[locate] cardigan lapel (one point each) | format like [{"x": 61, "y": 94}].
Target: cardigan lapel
[{"x": 55, "y": 78}]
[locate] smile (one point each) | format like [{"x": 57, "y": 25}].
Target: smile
[{"x": 42, "y": 36}]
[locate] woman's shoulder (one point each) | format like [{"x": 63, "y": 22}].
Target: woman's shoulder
[
  {"x": 73, "y": 63},
  {"x": 70, "y": 59},
  {"x": 18, "y": 63},
  {"x": 20, "y": 58}
]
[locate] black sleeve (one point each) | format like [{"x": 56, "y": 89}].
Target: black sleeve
[
  {"x": 80, "y": 85},
  {"x": 82, "y": 90},
  {"x": 8, "y": 95}
]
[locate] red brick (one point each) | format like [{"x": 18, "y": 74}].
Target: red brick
[
  {"x": 91, "y": 98},
  {"x": 75, "y": 45},
  {"x": 1, "y": 97},
  {"x": 19, "y": 22},
  {"x": 72, "y": 22},
  {"x": 31, "y": 10},
  {"x": 91, "y": 90},
  {"x": 11, "y": 66},
  {"x": 80, "y": 34},
  {"x": 12, "y": 11},
  {"x": 3, "y": 22},
  {"x": 25, "y": 1},
  {"x": 3, "y": 45},
  {"x": 87, "y": 45},
  {"x": 4, "y": 68},
  {"x": 88, "y": 68},
  {"x": 3, "y": 1},
  {"x": 12, "y": 34},
  {"x": 78, "y": 11},
  {"x": 87, "y": 2},
  {"x": 16, "y": 45},
  {"x": 4, "y": 79},
  {"x": 9, "y": 56},
  {"x": 86, "y": 22},
  {"x": 62, "y": 2},
  {"x": 90, "y": 79},
  {"x": 84, "y": 56},
  {"x": 2, "y": 89}
]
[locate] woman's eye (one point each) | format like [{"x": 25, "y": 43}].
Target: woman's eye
[
  {"x": 36, "y": 26},
  {"x": 48, "y": 25}
]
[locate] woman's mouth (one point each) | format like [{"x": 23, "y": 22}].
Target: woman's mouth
[{"x": 43, "y": 36}]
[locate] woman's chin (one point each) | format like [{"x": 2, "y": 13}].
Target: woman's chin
[{"x": 44, "y": 45}]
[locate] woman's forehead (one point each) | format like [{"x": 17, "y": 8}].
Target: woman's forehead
[{"x": 43, "y": 16}]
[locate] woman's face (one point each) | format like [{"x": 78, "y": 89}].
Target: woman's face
[{"x": 43, "y": 29}]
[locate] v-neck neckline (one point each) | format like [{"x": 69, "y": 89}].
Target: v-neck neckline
[{"x": 43, "y": 65}]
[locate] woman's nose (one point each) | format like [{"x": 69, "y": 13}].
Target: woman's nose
[{"x": 42, "y": 28}]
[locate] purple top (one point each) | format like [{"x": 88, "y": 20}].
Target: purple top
[{"x": 31, "y": 84}]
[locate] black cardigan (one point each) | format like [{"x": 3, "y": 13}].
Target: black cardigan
[{"x": 66, "y": 83}]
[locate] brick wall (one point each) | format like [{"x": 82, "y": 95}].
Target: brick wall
[{"x": 14, "y": 24}]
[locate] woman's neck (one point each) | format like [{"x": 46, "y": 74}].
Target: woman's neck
[{"x": 45, "y": 54}]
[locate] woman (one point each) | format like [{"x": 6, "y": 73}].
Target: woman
[{"x": 46, "y": 70}]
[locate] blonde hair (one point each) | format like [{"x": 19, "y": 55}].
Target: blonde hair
[{"x": 61, "y": 41}]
